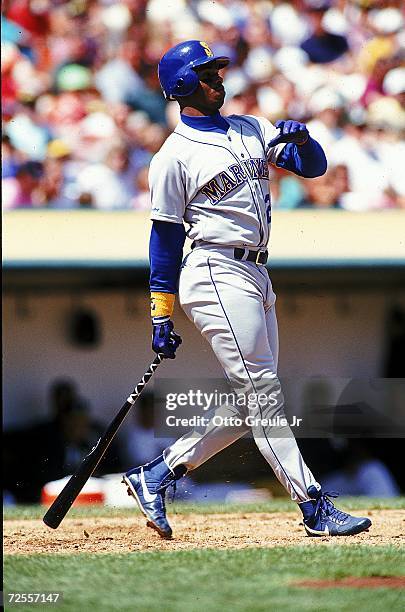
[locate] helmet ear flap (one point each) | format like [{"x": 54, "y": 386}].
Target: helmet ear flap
[{"x": 186, "y": 84}]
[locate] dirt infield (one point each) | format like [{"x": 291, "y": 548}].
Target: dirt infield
[{"x": 237, "y": 530}]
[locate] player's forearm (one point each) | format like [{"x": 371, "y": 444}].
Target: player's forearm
[
  {"x": 165, "y": 255},
  {"x": 307, "y": 160}
]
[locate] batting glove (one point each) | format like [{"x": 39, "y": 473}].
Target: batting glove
[
  {"x": 290, "y": 131},
  {"x": 164, "y": 339}
]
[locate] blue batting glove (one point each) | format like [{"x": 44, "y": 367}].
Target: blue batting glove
[
  {"x": 164, "y": 339},
  {"x": 290, "y": 131}
]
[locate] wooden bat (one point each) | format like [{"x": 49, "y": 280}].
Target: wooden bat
[{"x": 60, "y": 507}]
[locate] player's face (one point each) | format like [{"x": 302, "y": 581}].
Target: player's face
[{"x": 211, "y": 93}]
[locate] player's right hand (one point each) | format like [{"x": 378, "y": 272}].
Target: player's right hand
[
  {"x": 164, "y": 339},
  {"x": 290, "y": 131}
]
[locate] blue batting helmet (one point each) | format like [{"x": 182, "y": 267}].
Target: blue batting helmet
[{"x": 176, "y": 68}]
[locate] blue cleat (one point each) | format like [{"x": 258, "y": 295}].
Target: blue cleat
[
  {"x": 148, "y": 484},
  {"x": 321, "y": 518}
]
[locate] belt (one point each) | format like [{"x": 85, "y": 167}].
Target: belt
[
  {"x": 259, "y": 257},
  {"x": 240, "y": 253}
]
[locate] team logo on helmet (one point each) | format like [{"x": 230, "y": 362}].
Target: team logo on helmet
[{"x": 206, "y": 49}]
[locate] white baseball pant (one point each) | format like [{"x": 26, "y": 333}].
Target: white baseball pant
[{"x": 232, "y": 303}]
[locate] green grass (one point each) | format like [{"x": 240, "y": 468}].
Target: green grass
[
  {"x": 276, "y": 505},
  {"x": 250, "y": 580}
]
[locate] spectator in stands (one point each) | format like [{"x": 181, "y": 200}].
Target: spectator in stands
[
  {"x": 51, "y": 184},
  {"x": 321, "y": 193},
  {"x": 142, "y": 440},
  {"x": 58, "y": 187},
  {"x": 341, "y": 182},
  {"x": 54, "y": 448},
  {"x": 10, "y": 159},
  {"x": 21, "y": 190},
  {"x": 322, "y": 46},
  {"x": 142, "y": 200},
  {"x": 361, "y": 473},
  {"x": 111, "y": 184},
  {"x": 326, "y": 107},
  {"x": 287, "y": 191}
]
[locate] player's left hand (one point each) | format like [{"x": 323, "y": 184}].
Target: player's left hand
[
  {"x": 164, "y": 339},
  {"x": 290, "y": 131}
]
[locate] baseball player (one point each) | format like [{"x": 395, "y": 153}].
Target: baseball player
[{"x": 212, "y": 174}]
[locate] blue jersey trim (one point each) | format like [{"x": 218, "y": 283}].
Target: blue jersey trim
[{"x": 209, "y": 123}]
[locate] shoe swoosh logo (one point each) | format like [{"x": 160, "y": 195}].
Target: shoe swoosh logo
[
  {"x": 318, "y": 531},
  {"x": 149, "y": 497}
]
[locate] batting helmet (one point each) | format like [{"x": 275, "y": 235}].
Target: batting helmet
[{"x": 176, "y": 68}]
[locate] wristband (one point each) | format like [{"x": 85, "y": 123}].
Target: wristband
[
  {"x": 161, "y": 304},
  {"x": 160, "y": 320}
]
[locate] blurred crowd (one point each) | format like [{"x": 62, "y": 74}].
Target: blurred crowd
[
  {"x": 83, "y": 112},
  {"x": 54, "y": 447}
]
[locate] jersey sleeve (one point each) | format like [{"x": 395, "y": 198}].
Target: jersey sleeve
[
  {"x": 167, "y": 183},
  {"x": 307, "y": 160},
  {"x": 269, "y": 131},
  {"x": 165, "y": 255}
]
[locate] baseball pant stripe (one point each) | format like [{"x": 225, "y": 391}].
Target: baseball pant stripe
[{"x": 250, "y": 378}]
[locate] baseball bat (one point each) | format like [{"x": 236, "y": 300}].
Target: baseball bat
[{"x": 60, "y": 507}]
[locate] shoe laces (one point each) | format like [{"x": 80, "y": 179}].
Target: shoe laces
[
  {"x": 169, "y": 481},
  {"x": 327, "y": 508}
]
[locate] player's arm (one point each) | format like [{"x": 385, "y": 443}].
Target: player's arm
[
  {"x": 301, "y": 154},
  {"x": 167, "y": 187},
  {"x": 165, "y": 256}
]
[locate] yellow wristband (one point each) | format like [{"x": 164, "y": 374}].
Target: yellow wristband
[{"x": 161, "y": 304}]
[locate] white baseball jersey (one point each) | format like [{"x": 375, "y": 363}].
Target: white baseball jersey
[{"x": 218, "y": 183}]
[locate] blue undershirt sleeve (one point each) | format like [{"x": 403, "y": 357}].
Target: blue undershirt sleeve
[
  {"x": 165, "y": 255},
  {"x": 307, "y": 160}
]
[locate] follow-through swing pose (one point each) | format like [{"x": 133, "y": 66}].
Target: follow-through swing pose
[{"x": 212, "y": 174}]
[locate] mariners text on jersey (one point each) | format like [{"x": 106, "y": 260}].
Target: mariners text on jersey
[{"x": 226, "y": 181}]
